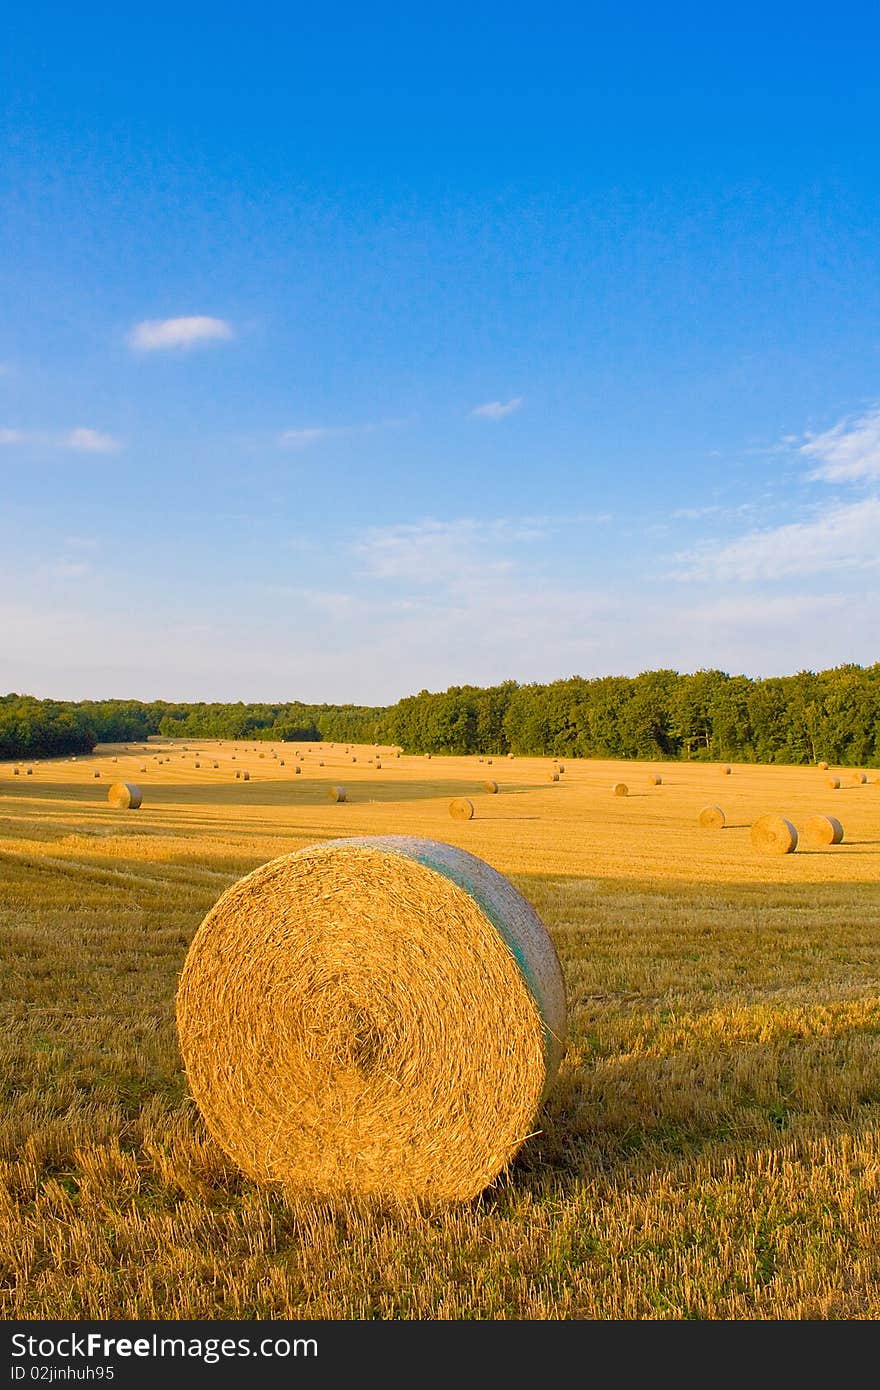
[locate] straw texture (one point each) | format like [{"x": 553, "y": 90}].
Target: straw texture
[
  {"x": 379, "y": 1016},
  {"x": 774, "y": 835},
  {"x": 125, "y": 796},
  {"x": 822, "y": 830},
  {"x": 712, "y": 818}
]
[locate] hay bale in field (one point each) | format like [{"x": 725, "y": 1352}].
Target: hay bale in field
[
  {"x": 726, "y": 770},
  {"x": 859, "y": 779},
  {"x": 774, "y": 835},
  {"x": 560, "y": 767},
  {"x": 553, "y": 776},
  {"x": 491, "y": 787},
  {"x": 833, "y": 783},
  {"x": 320, "y": 762},
  {"x": 237, "y": 774},
  {"x": 297, "y": 770},
  {"x": 96, "y": 773},
  {"x": 823, "y": 766},
  {"x": 16, "y": 772},
  {"x": 196, "y": 764},
  {"x": 114, "y": 760},
  {"x": 461, "y": 808},
  {"x": 479, "y": 760},
  {"x": 215, "y": 766},
  {"x": 374, "y": 1017},
  {"x": 510, "y": 757},
  {"x": 354, "y": 760},
  {"x": 144, "y": 768},
  {"x": 822, "y": 830},
  {"x": 378, "y": 765},
  {"x": 29, "y": 772},
  {"x": 245, "y": 776},
  {"x": 125, "y": 796},
  {"x": 281, "y": 762},
  {"x": 654, "y": 779},
  {"x": 336, "y": 794},
  {"x": 488, "y": 762},
  {"x": 711, "y": 818},
  {"x": 620, "y": 789},
  {"x": 427, "y": 755}
]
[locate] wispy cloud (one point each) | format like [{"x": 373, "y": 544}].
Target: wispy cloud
[
  {"x": 313, "y": 434},
  {"x": 82, "y": 440},
  {"x": 87, "y": 441},
  {"x": 844, "y": 537},
  {"x": 442, "y": 552},
  {"x": 848, "y": 452},
  {"x": 154, "y": 335},
  {"x": 69, "y": 569},
  {"x": 496, "y": 410}
]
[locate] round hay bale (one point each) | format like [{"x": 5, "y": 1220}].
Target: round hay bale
[
  {"x": 144, "y": 768},
  {"x": 125, "y": 796},
  {"x": 479, "y": 760},
  {"x": 96, "y": 773},
  {"x": 461, "y": 808},
  {"x": 336, "y": 794},
  {"x": 553, "y": 776},
  {"x": 491, "y": 787},
  {"x": 488, "y": 762},
  {"x": 297, "y": 770},
  {"x": 726, "y": 770},
  {"x": 16, "y": 772},
  {"x": 510, "y": 757},
  {"x": 860, "y": 778},
  {"x": 114, "y": 760},
  {"x": 196, "y": 764},
  {"x": 774, "y": 835},
  {"x": 711, "y": 818},
  {"x": 29, "y": 772},
  {"x": 281, "y": 762},
  {"x": 321, "y": 762},
  {"x": 237, "y": 773},
  {"x": 620, "y": 789},
  {"x": 654, "y": 779},
  {"x": 833, "y": 783},
  {"x": 354, "y": 760},
  {"x": 427, "y": 755},
  {"x": 822, "y": 830},
  {"x": 560, "y": 767},
  {"x": 245, "y": 776},
  {"x": 215, "y": 765},
  {"x": 375, "y": 1017},
  {"x": 378, "y": 765},
  {"x": 823, "y": 766}
]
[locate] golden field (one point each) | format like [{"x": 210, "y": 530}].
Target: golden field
[{"x": 710, "y": 1149}]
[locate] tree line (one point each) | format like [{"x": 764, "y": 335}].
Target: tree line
[{"x": 705, "y": 715}]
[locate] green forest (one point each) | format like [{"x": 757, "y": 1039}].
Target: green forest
[{"x": 832, "y": 715}]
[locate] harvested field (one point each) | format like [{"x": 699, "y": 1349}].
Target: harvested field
[{"x": 709, "y": 1149}]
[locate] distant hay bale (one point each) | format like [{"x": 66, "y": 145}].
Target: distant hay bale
[
  {"x": 488, "y": 762},
  {"x": 822, "y": 830},
  {"x": 491, "y": 787},
  {"x": 553, "y": 776},
  {"x": 281, "y": 762},
  {"x": 297, "y": 770},
  {"x": 237, "y": 773},
  {"x": 823, "y": 766},
  {"x": 336, "y": 794},
  {"x": 620, "y": 789},
  {"x": 215, "y": 765},
  {"x": 560, "y": 767},
  {"x": 114, "y": 760},
  {"x": 245, "y": 776},
  {"x": 29, "y": 772},
  {"x": 711, "y": 818},
  {"x": 654, "y": 779},
  {"x": 427, "y": 755},
  {"x": 125, "y": 796},
  {"x": 16, "y": 772},
  {"x": 96, "y": 773},
  {"x": 144, "y": 768},
  {"x": 320, "y": 762},
  {"x": 376, "y": 1017},
  {"x": 378, "y": 765},
  {"x": 833, "y": 783},
  {"x": 461, "y": 808},
  {"x": 196, "y": 764},
  {"x": 510, "y": 757},
  {"x": 859, "y": 779},
  {"x": 774, "y": 835},
  {"x": 354, "y": 760},
  {"x": 726, "y": 769},
  {"x": 262, "y": 755},
  {"x": 479, "y": 760}
]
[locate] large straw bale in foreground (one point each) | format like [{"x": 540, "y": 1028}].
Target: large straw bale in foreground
[
  {"x": 774, "y": 835},
  {"x": 125, "y": 796},
  {"x": 377, "y": 1016},
  {"x": 822, "y": 830},
  {"x": 461, "y": 808},
  {"x": 712, "y": 818}
]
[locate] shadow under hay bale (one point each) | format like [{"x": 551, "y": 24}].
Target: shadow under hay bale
[{"x": 372, "y": 1017}]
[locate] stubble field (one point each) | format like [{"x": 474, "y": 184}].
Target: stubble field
[{"x": 710, "y": 1149}]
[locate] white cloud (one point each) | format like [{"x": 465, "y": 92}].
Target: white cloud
[
  {"x": 86, "y": 441},
  {"x": 153, "y": 335},
  {"x": 847, "y": 452},
  {"x": 300, "y": 439},
  {"x": 443, "y": 552},
  {"x": 69, "y": 569},
  {"x": 844, "y": 537},
  {"x": 496, "y": 410},
  {"x": 81, "y": 439}
]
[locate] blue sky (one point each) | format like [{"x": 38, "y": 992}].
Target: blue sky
[{"x": 346, "y": 354}]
